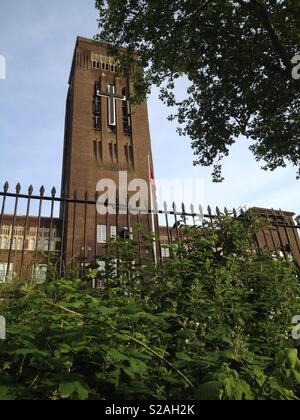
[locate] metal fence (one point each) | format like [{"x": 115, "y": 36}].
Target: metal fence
[{"x": 71, "y": 232}]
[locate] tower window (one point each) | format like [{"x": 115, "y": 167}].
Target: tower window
[
  {"x": 111, "y": 151},
  {"x": 100, "y": 150},
  {"x": 126, "y": 114},
  {"x": 126, "y": 153},
  {"x": 96, "y": 105},
  {"x": 95, "y": 149},
  {"x": 116, "y": 151},
  {"x": 97, "y": 125},
  {"x": 96, "y": 108},
  {"x": 130, "y": 152}
]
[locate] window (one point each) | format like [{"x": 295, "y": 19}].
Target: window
[
  {"x": 101, "y": 234},
  {"x": 4, "y": 242},
  {"x": 111, "y": 152},
  {"x": 130, "y": 152},
  {"x": 46, "y": 245},
  {"x": 31, "y": 244},
  {"x": 96, "y": 105},
  {"x": 3, "y": 271},
  {"x": 39, "y": 273},
  {"x": 20, "y": 244},
  {"x": 113, "y": 231},
  {"x": 165, "y": 252},
  {"x": 95, "y": 149},
  {"x": 126, "y": 153},
  {"x": 126, "y": 114},
  {"x": 100, "y": 149},
  {"x": 97, "y": 125},
  {"x": 116, "y": 151}
]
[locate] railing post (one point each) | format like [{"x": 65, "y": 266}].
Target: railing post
[
  {"x": 42, "y": 192},
  {"x": 18, "y": 189},
  {"x": 30, "y": 191}
]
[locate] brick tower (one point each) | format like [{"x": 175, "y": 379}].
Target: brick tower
[{"x": 104, "y": 134}]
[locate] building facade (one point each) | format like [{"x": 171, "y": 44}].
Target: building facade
[{"x": 106, "y": 138}]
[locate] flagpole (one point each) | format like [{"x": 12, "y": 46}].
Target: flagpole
[{"x": 151, "y": 182}]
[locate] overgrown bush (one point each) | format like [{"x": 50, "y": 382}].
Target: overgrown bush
[{"x": 213, "y": 322}]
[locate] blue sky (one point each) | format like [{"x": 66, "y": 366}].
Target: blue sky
[{"x": 37, "y": 39}]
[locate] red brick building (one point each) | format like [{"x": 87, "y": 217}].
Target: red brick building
[{"x": 104, "y": 134}]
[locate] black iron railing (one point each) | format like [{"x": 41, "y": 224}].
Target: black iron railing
[{"x": 34, "y": 227}]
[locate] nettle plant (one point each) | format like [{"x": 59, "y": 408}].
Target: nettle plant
[{"x": 212, "y": 322}]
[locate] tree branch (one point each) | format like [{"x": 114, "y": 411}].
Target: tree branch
[{"x": 275, "y": 38}]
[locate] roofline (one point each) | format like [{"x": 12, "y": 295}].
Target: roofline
[
  {"x": 272, "y": 211},
  {"x": 90, "y": 42}
]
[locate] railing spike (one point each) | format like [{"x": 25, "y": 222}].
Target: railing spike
[
  {"x": 53, "y": 192},
  {"x": 42, "y": 190},
  {"x": 234, "y": 212},
  {"x": 6, "y": 187},
  {"x": 226, "y": 212},
  {"x": 218, "y": 211},
  {"x": 30, "y": 190},
  {"x": 174, "y": 207},
  {"x": 209, "y": 210},
  {"x": 183, "y": 208},
  {"x": 165, "y": 205},
  {"x": 201, "y": 211},
  {"x": 192, "y": 209},
  {"x": 18, "y": 188}
]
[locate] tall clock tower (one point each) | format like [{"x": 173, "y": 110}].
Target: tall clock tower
[{"x": 104, "y": 134}]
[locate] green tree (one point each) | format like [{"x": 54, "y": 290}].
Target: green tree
[{"x": 237, "y": 57}]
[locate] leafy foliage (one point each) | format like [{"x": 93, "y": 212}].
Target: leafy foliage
[
  {"x": 210, "y": 323},
  {"x": 236, "y": 56}
]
